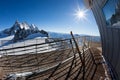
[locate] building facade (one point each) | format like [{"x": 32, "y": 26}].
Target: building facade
[{"x": 107, "y": 15}]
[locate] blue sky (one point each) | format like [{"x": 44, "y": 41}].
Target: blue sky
[{"x": 50, "y": 15}]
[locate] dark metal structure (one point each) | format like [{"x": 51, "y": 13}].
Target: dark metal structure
[{"x": 107, "y": 15}]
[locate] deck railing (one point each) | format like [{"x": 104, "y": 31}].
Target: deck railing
[{"x": 69, "y": 56}]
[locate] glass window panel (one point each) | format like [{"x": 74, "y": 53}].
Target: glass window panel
[{"x": 111, "y": 11}]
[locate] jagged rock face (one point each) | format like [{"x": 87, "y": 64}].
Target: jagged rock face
[
  {"x": 22, "y": 30},
  {"x": 44, "y": 32},
  {"x": 34, "y": 28},
  {"x": 21, "y": 34}
]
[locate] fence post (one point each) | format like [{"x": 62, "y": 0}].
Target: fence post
[
  {"x": 77, "y": 47},
  {"x": 83, "y": 58},
  {"x": 72, "y": 45},
  {"x": 37, "y": 56}
]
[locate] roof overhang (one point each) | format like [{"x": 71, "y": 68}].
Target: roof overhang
[{"x": 88, "y": 3}]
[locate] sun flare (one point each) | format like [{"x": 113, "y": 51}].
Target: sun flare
[{"x": 80, "y": 14}]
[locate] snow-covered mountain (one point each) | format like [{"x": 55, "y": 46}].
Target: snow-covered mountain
[
  {"x": 65, "y": 36},
  {"x": 61, "y": 35},
  {"x": 22, "y": 31}
]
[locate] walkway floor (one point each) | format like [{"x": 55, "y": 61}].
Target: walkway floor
[{"x": 72, "y": 70}]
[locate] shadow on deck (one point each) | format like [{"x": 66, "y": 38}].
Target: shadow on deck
[
  {"x": 72, "y": 69},
  {"x": 66, "y": 62}
]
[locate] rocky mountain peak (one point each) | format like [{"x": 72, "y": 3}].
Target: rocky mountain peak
[{"x": 21, "y": 30}]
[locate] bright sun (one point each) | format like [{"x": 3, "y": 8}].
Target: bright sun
[{"x": 80, "y": 14}]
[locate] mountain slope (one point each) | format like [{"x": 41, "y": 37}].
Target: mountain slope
[{"x": 22, "y": 30}]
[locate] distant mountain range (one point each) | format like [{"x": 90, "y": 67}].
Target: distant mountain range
[
  {"x": 65, "y": 35},
  {"x": 60, "y": 35},
  {"x": 21, "y": 31}
]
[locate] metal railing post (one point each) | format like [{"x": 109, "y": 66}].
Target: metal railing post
[
  {"x": 83, "y": 58},
  {"x": 37, "y": 64},
  {"x": 80, "y": 55}
]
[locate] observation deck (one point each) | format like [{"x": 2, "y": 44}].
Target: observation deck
[{"x": 69, "y": 59}]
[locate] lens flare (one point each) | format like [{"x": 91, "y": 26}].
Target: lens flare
[{"x": 80, "y": 14}]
